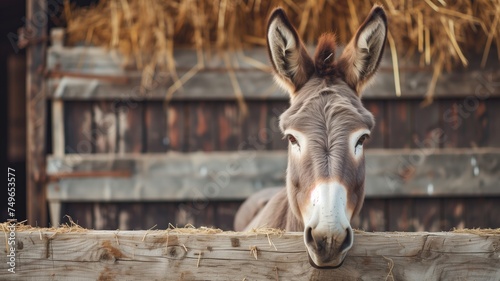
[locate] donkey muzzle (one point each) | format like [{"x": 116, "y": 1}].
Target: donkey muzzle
[{"x": 328, "y": 234}]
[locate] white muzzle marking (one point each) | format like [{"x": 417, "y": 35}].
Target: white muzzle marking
[{"x": 328, "y": 233}]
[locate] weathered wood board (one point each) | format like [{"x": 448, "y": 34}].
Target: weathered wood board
[
  {"x": 158, "y": 255},
  {"x": 236, "y": 175},
  {"x": 80, "y": 68}
]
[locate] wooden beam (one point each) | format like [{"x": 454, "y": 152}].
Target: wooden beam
[
  {"x": 36, "y": 21},
  {"x": 117, "y": 255},
  {"x": 213, "y": 82},
  {"x": 237, "y": 175},
  {"x": 58, "y": 127}
]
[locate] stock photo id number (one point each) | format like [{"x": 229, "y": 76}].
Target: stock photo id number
[{"x": 11, "y": 226}]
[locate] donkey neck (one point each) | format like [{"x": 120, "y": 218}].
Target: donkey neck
[{"x": 278, "y": 214}]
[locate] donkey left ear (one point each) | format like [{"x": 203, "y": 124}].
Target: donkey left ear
[
  {"x": 292, "y": 65},
  {"x": 361, "y": 57}
]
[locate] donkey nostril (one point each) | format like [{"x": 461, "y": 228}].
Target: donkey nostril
[
  {"x": 347, "y": 241},
  {"x": 309, "y": 237}
]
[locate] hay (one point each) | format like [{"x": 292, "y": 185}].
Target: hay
[
  {"x": 478, "y": 231},
  {"x": 436, "y": 33},
  {"x": 63, "y": 228}
]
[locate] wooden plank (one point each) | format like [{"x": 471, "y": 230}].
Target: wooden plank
[
  {"x": 131, "y": 216},
  {"x": 160, "y": 214},
  {"x": 427, "y": 214},
  {"x": 236, "y": 175},
  {"x": 36, "y": 115},
  {"x": 453, "y": 213},
  {"x": 494, "y": 122},
  {"x": 256, "y": 135},
  {"x": 277, "y": 142},
  {"x": 374, "y": 256},
  {"x": 105, "y": 126},
  {"x": 399, "y": 124},
  {"x": 225, "y": 213},
  {"x": 476, "y": 213},
  {"x": 470, "y": 127},
  {"x": 378, "y": 136},
  {"x": 373, "y": 215},
  {"x": 400, "y": 215},
  {"x": 255, "y": 83},
  {"x": 156, "y": 127},
  {"x": 228, "y": 125},
  {"x": 426, "y": 132},
  {"x": 16, "y": 108},
  {"x": 130, "y": 128},
  {"x": 106, "y": 216},
  {"x": 78, "y": 128},
  {"x": 451, "y": 121},
  {"x": 202, "y": 130},
  {"x": 81, "y": 213},
  {"x": 197, "y": 212},
  {"x": 58, "y": 127},
  {"x": 491, "y": 209},
  {"x": 177, "y": 126}
]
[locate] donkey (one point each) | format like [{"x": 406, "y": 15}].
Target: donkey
[{"x": 326, "y": 126}]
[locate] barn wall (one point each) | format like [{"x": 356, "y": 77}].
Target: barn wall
[{"x": 114, "y": 127}]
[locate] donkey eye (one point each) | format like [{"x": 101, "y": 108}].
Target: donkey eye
[
  {"x": 292, "y": 139},
  {"x": 361, "y": 140}
]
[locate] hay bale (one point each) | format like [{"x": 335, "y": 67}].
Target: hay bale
[{"x": 435, "y": 32}]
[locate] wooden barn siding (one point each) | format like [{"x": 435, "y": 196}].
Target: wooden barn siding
[
  {"x": 395, "y": 214},
  {"x": 142, "y": 127}
]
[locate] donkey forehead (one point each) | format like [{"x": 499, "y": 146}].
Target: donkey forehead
[{"x": 329, "y": 109}]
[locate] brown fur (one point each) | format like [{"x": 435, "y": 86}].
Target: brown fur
[
  {"x": 351, "y": 54},
  {"x": 324, "y": 59},
  {"x": 325, "y": 107}
]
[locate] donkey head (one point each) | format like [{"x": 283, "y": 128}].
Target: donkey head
[{"x": 326, "y": 125}]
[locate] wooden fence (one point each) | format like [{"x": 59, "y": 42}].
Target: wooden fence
[
  {"x": 162, "y": 255},
  {"x": 120, "y": 152}
]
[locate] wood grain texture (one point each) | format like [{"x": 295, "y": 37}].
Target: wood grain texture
[
  {"x": 202, "y": 128},
  {"x": 236, "y": 175},
  {"x": 229, "y": 126},
  {"x": 400, "y": 214},
  {"x": 105, "y": 127},
  {"x": 399, "y": 124},
  {"x": 373, "y": 215},
  {"x": 494, "y": 122},
  {"x": 113, "y": 255},
  {"x": 155, "y": 127},
  {"x": 255, "y": 83},
  {"x": 58, "y": 127},
  {"x": 36, "y": 110},
  {"x": 275, "y": 109},
  {"x": 379, "y": 135},
  {"x": 426, "y": 130},
  {"x": 454, "y": 213},
  {"x": 256, "y": 133},
  {"x": 427, "y": 214},
  {"x": 131, "y": 128},
  {"x": 450, "y": 122},
  {"x": 106, "y": 216},
  {"x": 78, "y": 128},
  {"x": 177, "y": 124},
  {"x": 81, "y": 213}
]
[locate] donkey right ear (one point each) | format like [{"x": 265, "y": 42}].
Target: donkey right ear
[{"x": 292, "y": 65}]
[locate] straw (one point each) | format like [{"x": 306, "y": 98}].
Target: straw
[{"x": 437, "y": 32}]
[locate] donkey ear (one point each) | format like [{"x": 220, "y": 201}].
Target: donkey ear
[
  {"x": 292, "y": 65},
  {"x": 361, "y": 57}
]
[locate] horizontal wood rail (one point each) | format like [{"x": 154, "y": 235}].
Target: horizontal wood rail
[
  {"x": 153, "y": 255},
  {"x": 236, "y": 175},
  {"x": 77, "y": 67}
]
